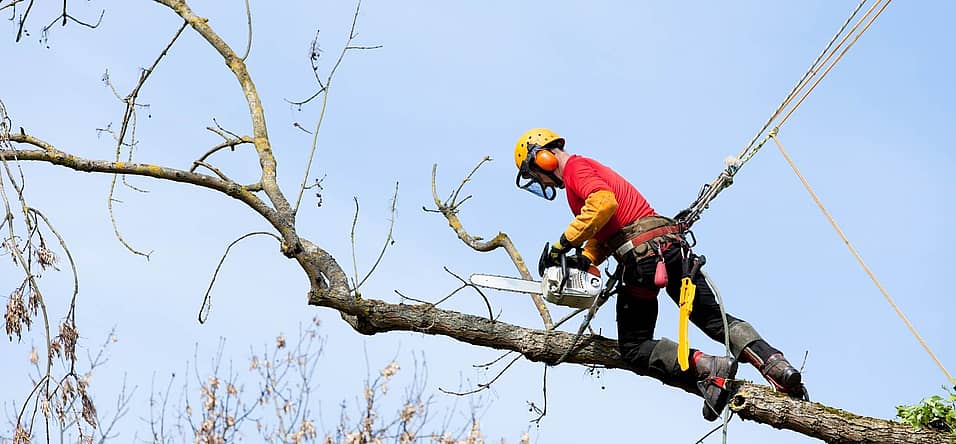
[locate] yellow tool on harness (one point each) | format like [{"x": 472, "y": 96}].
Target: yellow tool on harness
[{"x": 687, "y": 292}]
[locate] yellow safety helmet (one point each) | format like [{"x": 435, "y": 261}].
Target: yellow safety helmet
[
  {"x": 534, "y": 158},
  {"x": 537, "y": 138}
]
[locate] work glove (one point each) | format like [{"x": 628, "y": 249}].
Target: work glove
[
  {"x": 578, "y": 261},
  {"x": 551, "y": 257}
]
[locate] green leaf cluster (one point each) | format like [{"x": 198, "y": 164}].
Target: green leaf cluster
[{"x": 935, "y": 412}]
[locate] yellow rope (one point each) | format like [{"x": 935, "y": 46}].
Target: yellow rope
[{"x": 773, "y": 134}]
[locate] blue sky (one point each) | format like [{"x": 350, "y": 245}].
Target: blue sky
[{"x": 660, "y": 92}]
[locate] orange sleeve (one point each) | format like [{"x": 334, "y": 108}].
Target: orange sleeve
[
  {"x": 597, "y": 210},
  {"x": 594, "y": 250}
]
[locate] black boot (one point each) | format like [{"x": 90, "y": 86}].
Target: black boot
[
  {"x": 713, "y": 372},
  {"x": 775, "y": 369},
  {"x": 783, "y": 376}
]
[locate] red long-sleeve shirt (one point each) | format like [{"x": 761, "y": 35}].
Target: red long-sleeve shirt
[{"x": 584, "y": 176}]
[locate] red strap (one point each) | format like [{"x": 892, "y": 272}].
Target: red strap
[
  {"x": 651, "y": 234},
  {"x": 719, "y": 382}
]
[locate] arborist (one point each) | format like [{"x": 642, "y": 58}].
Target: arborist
[{"x": 611, "y": 218}]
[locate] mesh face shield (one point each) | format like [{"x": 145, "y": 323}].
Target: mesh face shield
[
  {"x": 535, "y": 187},
  {"x": 528, "y": 179}
]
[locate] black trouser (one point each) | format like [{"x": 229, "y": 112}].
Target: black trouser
[{"x": 637, "y": 316}]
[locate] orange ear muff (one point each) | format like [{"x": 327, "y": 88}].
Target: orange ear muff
[{"x": 546, "y": 160}]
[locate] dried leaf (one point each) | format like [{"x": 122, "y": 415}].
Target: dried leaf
[
  {"x": 46, "y": 257},
  {"x": 89, "y": 411},
  {"x": 16, "y": 316},
  {"x": 67, "y": 338}
]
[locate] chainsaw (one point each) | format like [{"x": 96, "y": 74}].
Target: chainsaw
[{"x": 560, "y": 284}]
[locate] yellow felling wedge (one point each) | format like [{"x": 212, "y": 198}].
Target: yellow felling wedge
[{"x": 687, "y": 292}]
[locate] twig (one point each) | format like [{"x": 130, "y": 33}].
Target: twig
[
  {"x": 324, "y": 89},
  {"x": 69, "y": 256},
  {"x": 12, "y": 4},
  {"x": 210, "y": 168},
  {"x": 483, "y": 386},
  {"x": 23, "y": 21},
  {"x": 352, "y": 237},
  {"x": 230, "y": 143},
  {"x": 64, "y": 16},
  {"x": 544, "y": 391},
  {"x": 480, "y": 293},
  {"x": 388, "y": 238},
  {"x": 464, "y": 285},
  {"x": 207, "y": 298},
  {"x": 454, "y": 197},
  {"x": 129, "y": 157},
  {"x": 129, "y": 116},
  {"x": 493, "y": 362}
]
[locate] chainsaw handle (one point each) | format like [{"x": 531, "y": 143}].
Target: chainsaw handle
[{"x": 564, "y": 273}]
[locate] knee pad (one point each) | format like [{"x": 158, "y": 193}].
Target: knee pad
[
  {"x": 741, "y": 335},
  {"x": 663, "y": 360}
]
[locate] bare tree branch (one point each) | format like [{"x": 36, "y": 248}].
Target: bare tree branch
[
  {"x": 48, "y": 153},
  {"x": 449, "y": 209},
  {"x": 207, "y": 298},
  {"x": 230, "y": 143},
  {"x": 260, "y": 134},
  {"x": 129, "y": 124},
  {"x": 324, "y": 89},
  {"x": 388, "y": 239}
]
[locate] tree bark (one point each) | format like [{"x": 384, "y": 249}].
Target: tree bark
[
  {"x": 749, "y": 401},
  {"x": 761, "y": 404}
]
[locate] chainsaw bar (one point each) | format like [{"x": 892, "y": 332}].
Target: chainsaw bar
[{"x": 506, "y": 283}]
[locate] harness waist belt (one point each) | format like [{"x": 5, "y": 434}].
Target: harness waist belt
[{"x": 633, "y": 242}]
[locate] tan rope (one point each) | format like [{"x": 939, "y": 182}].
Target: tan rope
[
  {"x": 750, "y": 151},
  {"x": 773, "y": 134},
  {"x": 828, "y": 51},
  {"x": 837, "y": 59}
]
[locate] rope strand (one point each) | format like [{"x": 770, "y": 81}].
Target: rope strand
[
  {"x": 846, "y": 241},
  {"x": 832, "y": 64},
  {"x": 811, "y": 72}
]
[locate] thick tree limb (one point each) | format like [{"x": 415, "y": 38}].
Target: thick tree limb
[
  {"x": 751, "y": 401},
  {"x": 758, "y": 403}
]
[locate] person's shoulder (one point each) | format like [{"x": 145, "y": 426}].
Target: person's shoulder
[{"x": 577, "y": 161}]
